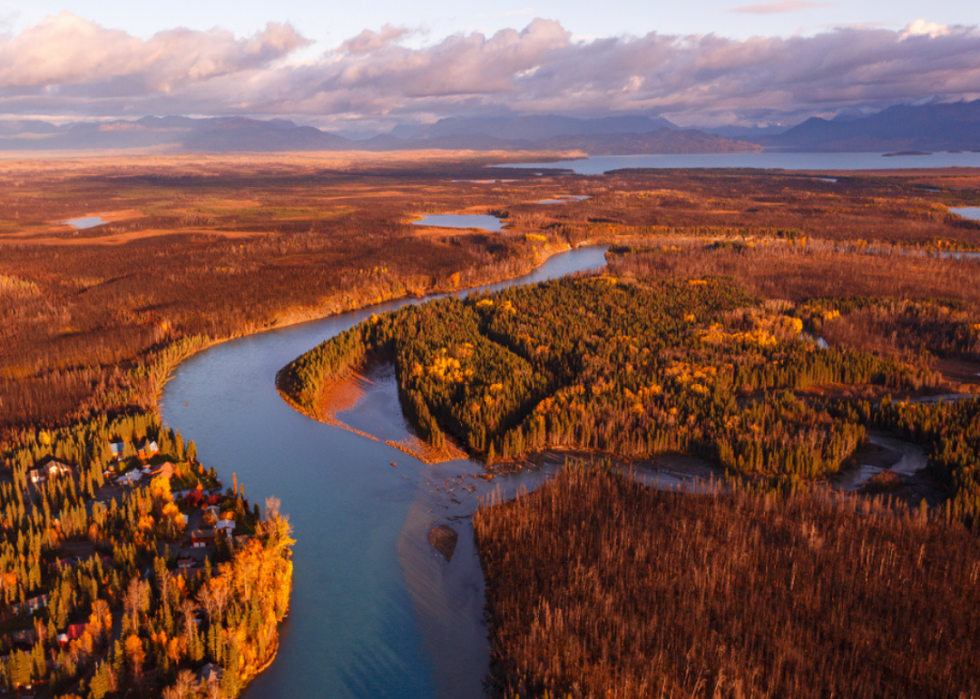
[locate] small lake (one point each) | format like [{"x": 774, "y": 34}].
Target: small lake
[
  {"x": 80, "y": 224},
  {"x": 563, "y": 200},
  {"x": 599, "y": 164},
  {"x": 482, "y": 221},
  {"x": 970, "y": 212}
]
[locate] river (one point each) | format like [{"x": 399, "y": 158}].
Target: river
[{"x": 375, "y": 611}]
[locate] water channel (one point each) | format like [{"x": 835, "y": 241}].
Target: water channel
[{"x": 375, "y": 612}]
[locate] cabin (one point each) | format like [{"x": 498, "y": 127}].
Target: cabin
[
  {"x": 227, "y": 526},
  {"x": 117, "y": 449},
  {"x": 130, "y": 478},
  {"x": 147, "y": 449},
  {"x": 57, "y": 468},
  {"x": 201, "y": 538},
  {"x": 74, "y": 632},
  {"x": 49, "y": 469},
  {"x": 36, "y": 603},
  {"x": 24, "y": 638},
  {"x": 185, "y": 562},
  {"x": 166, "y": 469},
  {"x": 211, "y": 674}
]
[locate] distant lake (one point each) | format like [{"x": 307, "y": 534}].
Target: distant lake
[
  {"x": 85, "y": 222},
  {"x": 482, "y": 221},
  {"x": 972, "y": 212},
  {"x": 599, "y": 164}
]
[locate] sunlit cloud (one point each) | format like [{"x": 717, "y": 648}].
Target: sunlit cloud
[
  {"x": 920, "y": 27},
  {"x": 68, "y": 65}
]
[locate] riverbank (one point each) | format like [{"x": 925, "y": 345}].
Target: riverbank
[{"x": 349, "y": 505}]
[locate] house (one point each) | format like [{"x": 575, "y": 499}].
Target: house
[
  {"x": 50, "y": 469},
  {"x": 147, "y": 449},
  {"x": 57, "y": 468},
  {"x": 35, "y": 603},
  {"x": 130, "y": 478},
  {"x": 214, "y": 511},
  {"x": 24, "y": 638},
  {"x": 227, "y": 526},
  {"x": 185, "y": 562},
  {"x": 74, "y": 632},
  {"x": 117, "y": 450},
  {"x": 211, "y": 674},
  {"x": 166, "y": 469},
  {"x": 202, "y": 537}
]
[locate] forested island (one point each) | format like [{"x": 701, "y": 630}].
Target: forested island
[{"x": 639, "y": 366}]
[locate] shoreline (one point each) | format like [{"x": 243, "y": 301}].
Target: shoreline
[{"x": 317, "y": 314}]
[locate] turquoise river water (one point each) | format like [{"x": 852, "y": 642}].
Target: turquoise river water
[{"x": 376, "y": 612}]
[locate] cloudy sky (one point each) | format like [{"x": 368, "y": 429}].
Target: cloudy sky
[{"x": 375, "y": 63}]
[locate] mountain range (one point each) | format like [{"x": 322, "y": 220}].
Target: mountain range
[
  {"x": 930, "y": 127},
  {"x": 607, "y": 136}
]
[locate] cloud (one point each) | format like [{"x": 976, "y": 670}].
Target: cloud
[
  {"x": 67, "y": 65},
  {"x": 920, "y": 27},
  {"x": 368, "y": 41},
  {"x": 773, "y": 8},
  {"x": 70, "y": 50}
]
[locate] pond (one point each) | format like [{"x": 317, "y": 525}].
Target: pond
[
  {"x": 80, "y": 224},
  {"x": 482, "y": 221},
  {"x": 565, "y": 199},
  {"x": 970, "y": 212}
]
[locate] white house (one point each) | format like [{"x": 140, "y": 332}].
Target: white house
[{"x": 130, "y": 478}]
